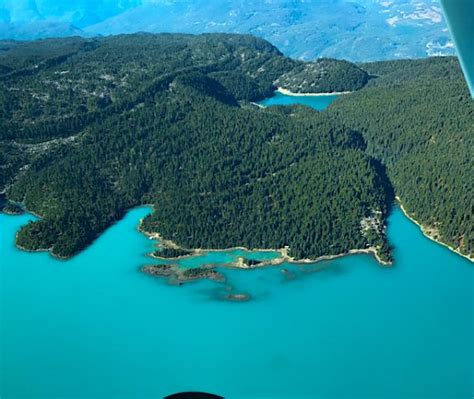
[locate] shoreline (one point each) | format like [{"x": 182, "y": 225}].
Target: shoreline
[
  {"x": 50, "y": 250},
  {"x": 362, "y": 251},
  {"x": 425, "y": 232},
  {"x": 47, "y": 250},
  {"x": 283, "y": 258},
  {"x": 287, "y": 92}
]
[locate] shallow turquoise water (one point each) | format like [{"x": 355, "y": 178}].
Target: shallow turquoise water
[
  {"x": 317, "y": 102},
  {"x": 94, "y": 327}
]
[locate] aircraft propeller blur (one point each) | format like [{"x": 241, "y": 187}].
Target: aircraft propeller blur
[{"x": 460, "y": 16}]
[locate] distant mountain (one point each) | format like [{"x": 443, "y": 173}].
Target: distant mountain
[
  {"x": 38, "y": 30},
  {"x": 72, "y": 11},
  {"x": 34, "y": 19},
  {"x": 357, "y": 30}
]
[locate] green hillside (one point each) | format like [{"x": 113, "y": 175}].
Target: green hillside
[
  {"x": 91, "y": 128},
  {"x": 418, "y": 119},
  {"x": 323, "y": 76}
]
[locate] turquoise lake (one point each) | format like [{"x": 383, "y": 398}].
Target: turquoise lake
[
  {"x": 95, "y": 327},
  {"x": 317, "y": 102}
]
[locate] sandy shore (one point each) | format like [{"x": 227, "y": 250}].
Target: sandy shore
[
  {"x": 368, "y": 251},
  {"x": 283, "y": 258},
  {"x": 287, "y": 92},
  {"x": 426, "y": 233}
]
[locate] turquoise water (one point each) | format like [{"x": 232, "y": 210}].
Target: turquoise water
[
  {"x": 460, "y": 17},
  {"x": 317, "y": 102},
  {"x": 94, "y": 327}
]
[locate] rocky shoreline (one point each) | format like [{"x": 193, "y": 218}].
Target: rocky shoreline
[
  {"x": 243, "y": 262},
  {"x": 428, "y": 233}
]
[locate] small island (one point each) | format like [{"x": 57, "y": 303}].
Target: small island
[{"x": 178, "y": 275}]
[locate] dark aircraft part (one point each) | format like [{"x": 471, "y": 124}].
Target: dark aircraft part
[
  {"x": 460, "y": 17},
  {"x": 194, "y": 395}
]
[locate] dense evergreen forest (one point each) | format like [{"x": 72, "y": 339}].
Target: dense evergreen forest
[
  {"x": 98, "y": 126},
  {"x": 418, "y": 120},
  {"x": 323, "y": 76},
  {"x": 92, "y": 127}
]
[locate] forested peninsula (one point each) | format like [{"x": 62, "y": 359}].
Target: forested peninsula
[{"x": 92, "y": 127}]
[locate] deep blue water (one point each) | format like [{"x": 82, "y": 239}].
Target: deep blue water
[{"x": 95, "y": 327}]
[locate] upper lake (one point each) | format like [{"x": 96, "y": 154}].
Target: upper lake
[
  {"x": 316, "y": 102},
  {"x": 95, "y": 327}
]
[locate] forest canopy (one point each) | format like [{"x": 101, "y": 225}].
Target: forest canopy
[{"x": 92, "y": 127}]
